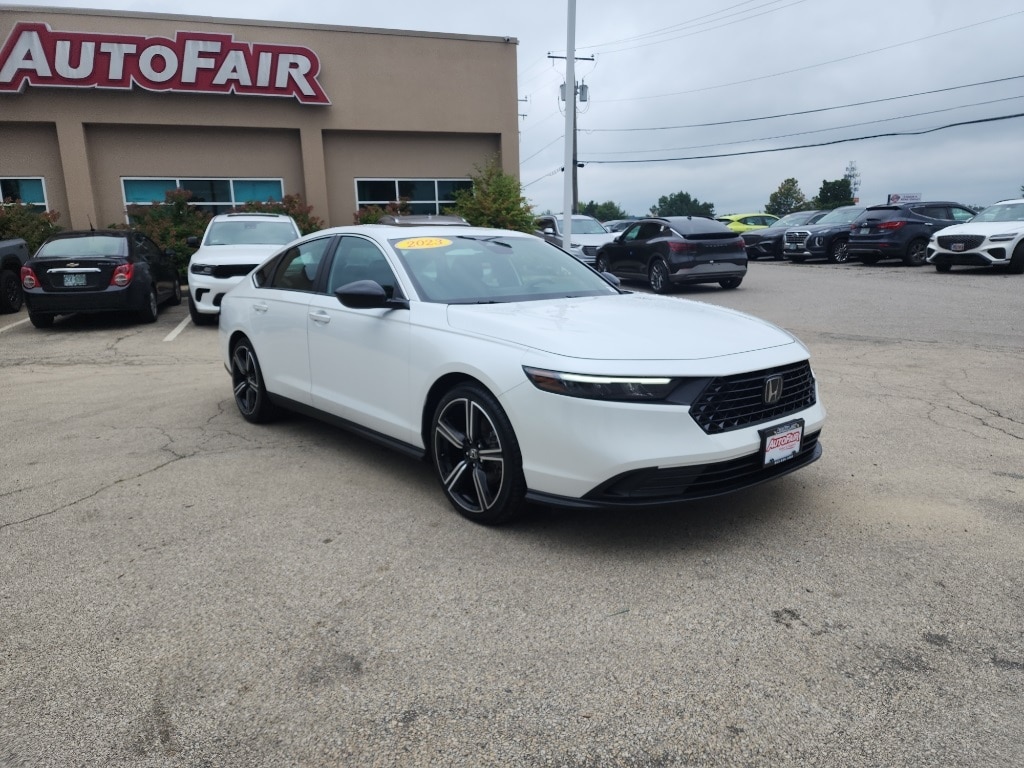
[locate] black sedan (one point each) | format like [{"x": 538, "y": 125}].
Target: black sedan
[
  {"x": 676, "y": 250},
  {"x": 99, "y": 271},
  {"x": 767, "y": 242}
]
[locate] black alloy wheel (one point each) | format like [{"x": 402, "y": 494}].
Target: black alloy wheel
[
  {"x": 11, "y": 297},
  {"x": 149, "y": 310},
  {"x": 600, "y": 264},
  {"x": 476, "y": 456},
  {"x": 916, "y": 252},
  {"x": 658, "y": 277},
  {"x": 248, "y": 385}
]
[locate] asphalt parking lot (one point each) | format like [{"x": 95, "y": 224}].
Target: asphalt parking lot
[{"x": 181, "y": 588}]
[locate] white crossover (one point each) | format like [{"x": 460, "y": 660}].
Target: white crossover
[
  {"x": 993, "y": 238},
  {"x": 519, "y": 372}
]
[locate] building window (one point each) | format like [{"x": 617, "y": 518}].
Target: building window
[
  {"x": 420, "y": 195},
  {"x": 213, "y": 195},
  {"x": 30, "y": 192}
]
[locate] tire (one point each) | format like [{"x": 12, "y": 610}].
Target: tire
[
  {"x": 198, "y": 317},
  {"x": 1017, "y": 260},
  {"x": 730, "y": 283},
  {"x": 869, "y": 260},
  {"x": 175, "y": 299},
  {"x": 916, "y": 252},
  {"x": 657, "y": 276},
  {"x": 149, "y": 311},
  {"x": 247, "y": 384},
  {"x": 40, "y": 320},
  {"x": 476, "y": 456},
  {"x": 839, "y": 252},
  {"x": 943, "y": 267},
  {"x": 600, "y": 264},
  {"x": 11, "y": 297}
]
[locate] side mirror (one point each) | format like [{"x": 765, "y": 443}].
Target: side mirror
[
  {"x": 367, "y": 294},
  {"x": 549, "y": 231}
]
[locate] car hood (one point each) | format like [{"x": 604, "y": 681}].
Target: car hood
[
  {"x": 633, "y": 326},
  {"x": 233, "y": 254},
  {"x": 594, "y": 239},
  {"x": 986, "y": 228}
]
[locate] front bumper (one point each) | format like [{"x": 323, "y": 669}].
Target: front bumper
[
  {"x": 994, "y": 257},
  {"x": 208, "y": 292}
]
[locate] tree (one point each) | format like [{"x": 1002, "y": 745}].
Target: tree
[
  {"x": 681, "y": 204},
  {"x": 495, "y": 200},
  {"x": 604, "y": 211},
  {"x": 170, "y": 223},
  {"x": 786, "y": 199},
  {"x": 834, "y": 194}
]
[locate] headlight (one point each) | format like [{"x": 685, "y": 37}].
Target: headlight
[
  {"x": 622, "y": 388},
  {"x": 201, "y": 269},
  {"x": 1002, "y": 238}
]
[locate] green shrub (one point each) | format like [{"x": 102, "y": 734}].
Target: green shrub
[
  {"x": 21, "y": 221},
  {"x": 293, "y": 206}
]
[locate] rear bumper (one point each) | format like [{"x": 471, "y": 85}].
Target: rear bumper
[{"x": 113, "y": 299}]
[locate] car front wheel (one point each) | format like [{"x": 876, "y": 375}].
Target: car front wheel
[
  {"x": 601, "y": 264},
  {"x": 658, "y": 277},
  {"x": 198, "y": 317},
  {"x": 839, "y": 253},
  {"x": 476, "y": 456},
  {"x": 247, "y": 382},
  {"x": 1017, "y": 260},
  {"x": 916, "y": 253}
]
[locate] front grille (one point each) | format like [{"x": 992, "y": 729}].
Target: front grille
[
  {"x": 962, "y": 242},
  {"x": 799, "y": 237},
  {"x": 590, "y": 250},
  {"x": 734, "y": 402},
  {"x": 222, "y": 271},
  {"x": 702, "y": 481}
]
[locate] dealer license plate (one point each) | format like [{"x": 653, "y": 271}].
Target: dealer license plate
[
  {"x": 864, "y": 230},
  {"x": 781, "y": 442},
  {"x": 74, "y": 279}
]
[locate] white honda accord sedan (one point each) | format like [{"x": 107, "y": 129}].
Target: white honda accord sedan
[{"x": 520, "y": 373}]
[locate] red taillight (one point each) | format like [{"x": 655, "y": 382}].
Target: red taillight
[
  {"x": 677, "y": 246},
  {"x": 122, "y": 275},
  {"x": 890, "y": 226},
  {"x": 28, "y": 278}
]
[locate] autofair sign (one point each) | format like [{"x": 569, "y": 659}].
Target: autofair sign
[
  {"x": 193, "y": 62},
  {"x": 904, "y": 197}
]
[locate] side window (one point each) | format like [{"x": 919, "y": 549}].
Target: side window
[
  {"x": 932, "y": 212},
  {"x": 961, "y": 214},
  {"x": 360, "y": 259},
  {"x": 632, "y": 233},
  {"x": 649, "y": 230},
  {"x": 297, "y": 268},
  {"x": 144, "y": 248}
]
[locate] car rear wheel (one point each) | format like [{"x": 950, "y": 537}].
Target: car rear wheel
[
  {"x": 40, "y": 319},
  {"x": 657, "y": 276},
  {"x": 730, "y": 282},
  {"x": 175, "y": 299},
  {"x": 839, "y": 253},
  {"x": 11, "y": 296},
  {"x": 916, "y": 252},
  {"x": 476, "y": 456},
  {"x": 198, "y": 317},
  {"x": 1017, "y": 260},
  {"x": 149, "y": 310},
  {"x": 248, "y": 385}
]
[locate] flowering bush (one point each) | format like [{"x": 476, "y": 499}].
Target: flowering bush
[{"x": 21, "y": 221}]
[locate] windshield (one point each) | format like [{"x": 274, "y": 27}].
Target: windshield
[
  {"x": 250, "y": 233},
  {"x": 841, "y": 216},
  {"x": 588, "y": 227},
  {"x": 89, "y": 247},
  {"x": 793, "y": 219},
  {"x": 1002, "y": 212},
  {"x": 488, "y": 269}
]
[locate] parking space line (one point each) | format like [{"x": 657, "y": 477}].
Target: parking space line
[
  {"x": 13, "y": 325},
  {"x": 180, "y": 327}
]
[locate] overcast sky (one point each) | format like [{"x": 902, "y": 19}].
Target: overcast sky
[{"x": 660, "y": 68}]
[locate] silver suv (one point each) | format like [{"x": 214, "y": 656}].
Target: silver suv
[{"x": 233, "y": 246}]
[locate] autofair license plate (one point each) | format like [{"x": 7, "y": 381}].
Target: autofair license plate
[
  {"x": 781, "y": 442},
  {"x": 73, "y": 279}
]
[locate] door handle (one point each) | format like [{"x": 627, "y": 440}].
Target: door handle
[
  {"x": 261, "y": 308},
  {"x": 320, "y": 317}
]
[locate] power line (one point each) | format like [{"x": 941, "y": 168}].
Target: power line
[
  {"x": 806, "y": 111},
  {"x": 810, "y": 146},
  {"x": 808, "y": 133},
  {"x": 820, "y": 64}
]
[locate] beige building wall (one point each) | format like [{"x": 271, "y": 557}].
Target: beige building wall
[{"x": 403, "y": 104}]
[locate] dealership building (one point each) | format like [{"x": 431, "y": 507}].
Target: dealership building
[{"x": 100, "y": 110}]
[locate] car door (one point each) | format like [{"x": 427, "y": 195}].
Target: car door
[
  {"x": 278, "y": 317},
  {"x": 618, "y": 253},
  {"x": 359, "y": 358}
]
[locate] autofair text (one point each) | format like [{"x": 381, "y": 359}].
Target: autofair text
[{"x": 193, "y": 62}]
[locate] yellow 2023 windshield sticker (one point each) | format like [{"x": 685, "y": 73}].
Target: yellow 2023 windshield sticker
[{"x": 415, "y": 243}]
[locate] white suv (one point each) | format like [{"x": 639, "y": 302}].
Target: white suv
[
  {"x": 233, "y": 246},
  {"x": 993, "y": 238}
]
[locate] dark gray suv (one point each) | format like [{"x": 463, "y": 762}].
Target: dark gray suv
[{"x": 902, "y": 231}]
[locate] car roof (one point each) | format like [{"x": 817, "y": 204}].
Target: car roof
[
  {"x": 423, "y": 219},
  {"x": 390, "y": 232},
  {"x": 688, "y": 224},
  {"x": 250, "y": 215},
  {"x": 67, "y": 233}
]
